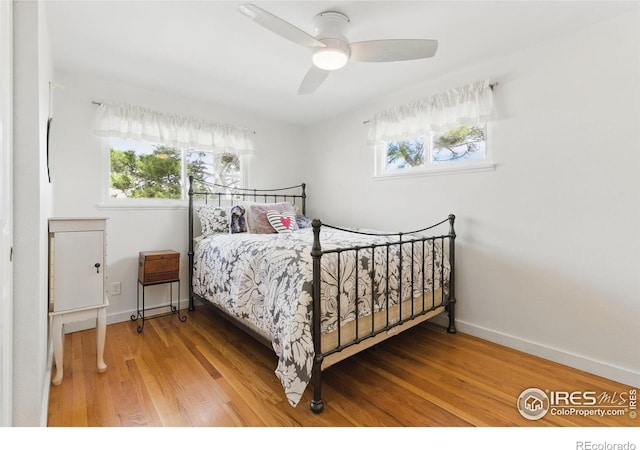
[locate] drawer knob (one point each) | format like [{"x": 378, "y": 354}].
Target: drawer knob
[{"x": 97, "y": 266}]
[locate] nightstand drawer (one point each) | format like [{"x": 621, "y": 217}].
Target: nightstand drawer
[
  {"x": 157, "y": 277},
  {"x": 158, "y": 266}
]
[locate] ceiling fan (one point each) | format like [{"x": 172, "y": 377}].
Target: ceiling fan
[{"x": 330, "y": 48}]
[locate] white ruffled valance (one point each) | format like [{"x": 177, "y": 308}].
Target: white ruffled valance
[
  {"x": 467, "y": 105},
  {"x": 135, "y": 122}
]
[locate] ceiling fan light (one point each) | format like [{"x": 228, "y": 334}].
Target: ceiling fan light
[{"x": 330, "y": 58}]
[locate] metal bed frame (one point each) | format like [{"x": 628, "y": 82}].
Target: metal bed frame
[{"x": 323, "y": 360}]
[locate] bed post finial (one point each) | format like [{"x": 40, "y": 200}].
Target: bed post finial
[
  {"x": 316, "y": 253},
  {"x": 452, "y": 219},
  {"x": 304, "y": 198}
]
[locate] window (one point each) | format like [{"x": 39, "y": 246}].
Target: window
[
  {"x": 405, "y": 154},
  {"x": 217, "y": 168},
  {"x": 442, "y": 133},
  {"x": 460, "y": 148},
  {"x": 150, "y": 154},
  {"x": 463, "y": 143},
  {"x": 145, "y": 170}
]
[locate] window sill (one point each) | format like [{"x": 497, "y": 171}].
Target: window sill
[
  {"x": 141, "y": 205},
  {"x": 408, "y": 173}
]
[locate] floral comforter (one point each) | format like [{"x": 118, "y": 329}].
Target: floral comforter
[{"x": 266, "y": 279}]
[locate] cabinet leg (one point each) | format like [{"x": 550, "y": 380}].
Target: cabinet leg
[
  {"x": 58, "y": 349},
  {"x": 101, "y": 330}
]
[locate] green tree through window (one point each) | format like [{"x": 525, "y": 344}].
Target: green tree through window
[
  {"x": 460, "y": 142},
  {"x": 406, "y": 153},
  {"x": 155, "y": 175},
  {"x": 219, "y": 168},
  {"x": 140, "y": 169}
]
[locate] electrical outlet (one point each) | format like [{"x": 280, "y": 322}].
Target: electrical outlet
[{"x": 115, "y": 288}]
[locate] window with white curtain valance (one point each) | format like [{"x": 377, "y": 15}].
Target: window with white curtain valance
[
  {"x": 135, "y": 122},
  {"x": 468, "y": 105}
]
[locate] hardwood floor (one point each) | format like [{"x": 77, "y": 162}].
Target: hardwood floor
[{"x": 207, "y": 373}]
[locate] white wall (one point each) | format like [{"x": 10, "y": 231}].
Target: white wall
[
  {"x": 548, "y": 244},
  {"x": 32, "y": 206},
  {"x": 6, "y": 213},
  {"x": 77, "y": 172}
]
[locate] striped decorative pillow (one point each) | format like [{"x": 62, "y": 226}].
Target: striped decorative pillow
[{"x": 282, "y": 222}]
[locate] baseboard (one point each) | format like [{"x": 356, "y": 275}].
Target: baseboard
[{"x": 599, "y": 368}]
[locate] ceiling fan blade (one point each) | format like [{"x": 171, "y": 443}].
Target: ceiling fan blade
[
  {"x": 312, "y": 80},
  {"x": 387, "y": 50},
  {"x": 279, "y": 26}
]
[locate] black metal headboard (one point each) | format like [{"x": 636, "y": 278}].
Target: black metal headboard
[{"x": 217, "y": 194}]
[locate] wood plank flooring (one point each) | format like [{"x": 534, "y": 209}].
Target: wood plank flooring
[{"x": 207, "y": 373}]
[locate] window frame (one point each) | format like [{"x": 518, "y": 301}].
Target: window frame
[
  {"x": 380, "y": 171},
  {"x": 108, "y": 202}
]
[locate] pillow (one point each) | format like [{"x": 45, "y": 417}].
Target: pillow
[
  {"x": 303, "y": 221},
  {"x": 284, "y": 222},
  {"x": 258, "y": 221},
  {"x": 213, "y": 219},
  {"x": 238, "y": 222},
  {"x": 243, "y": 214}
]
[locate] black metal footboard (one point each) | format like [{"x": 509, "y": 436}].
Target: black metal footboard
[{"x": 430, "y": 284}]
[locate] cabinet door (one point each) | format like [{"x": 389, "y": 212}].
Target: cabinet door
[{"x": 77, "y": 283}]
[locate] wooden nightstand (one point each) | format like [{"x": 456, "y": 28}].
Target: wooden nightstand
[{"x": 157, "y": 267}]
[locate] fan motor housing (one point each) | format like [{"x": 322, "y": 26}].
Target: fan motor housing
[
  {"x": 331, "y": 28},
  {"x": 331, "y": 24}
]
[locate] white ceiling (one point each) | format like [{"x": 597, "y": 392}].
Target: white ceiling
[{"x": 208, "y": 50}]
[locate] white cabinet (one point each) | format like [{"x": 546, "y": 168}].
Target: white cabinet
[
  {"x": 77, "y": 263},
  {"x": 77, "y": 280}
]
